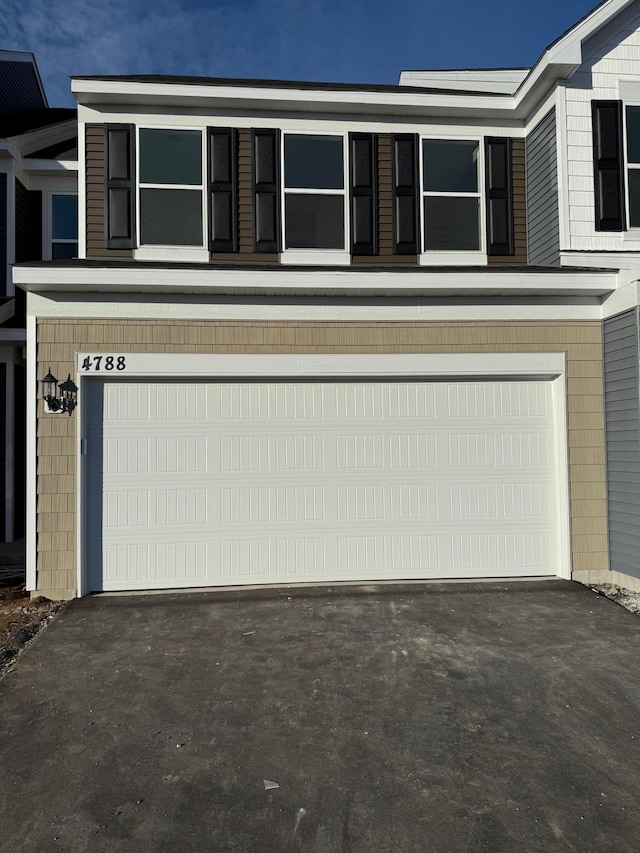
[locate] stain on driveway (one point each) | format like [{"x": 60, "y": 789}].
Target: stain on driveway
[{"x": 395, "y": 719}]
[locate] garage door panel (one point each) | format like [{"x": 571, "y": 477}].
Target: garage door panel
[{"x": 203, "y": 483}]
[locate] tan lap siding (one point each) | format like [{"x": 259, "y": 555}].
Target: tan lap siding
[{"x": 60, "y": 340}]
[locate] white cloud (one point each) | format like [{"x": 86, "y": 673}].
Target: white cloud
[{"x": 259, "y": 38}]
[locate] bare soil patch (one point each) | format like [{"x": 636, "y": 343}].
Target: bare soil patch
[
  {"x": 21, "y": 618},
  {"x": 624, "y": 597}
]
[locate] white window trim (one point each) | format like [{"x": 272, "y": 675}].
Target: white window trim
[
  {"x": 315, "y": 256},
  {"x": 459, "y": 258},
  {"x": 160, "y": 251},
  {"x": 631, "y": 234},
  {"x": 47, "y": 224}
]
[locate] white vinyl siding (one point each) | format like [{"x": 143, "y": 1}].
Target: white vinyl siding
[{"x": 611, "y": 62}]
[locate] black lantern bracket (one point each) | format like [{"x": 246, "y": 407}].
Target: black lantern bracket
[{"x": 59, "y": 397}]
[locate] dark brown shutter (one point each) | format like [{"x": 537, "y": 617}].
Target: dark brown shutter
[
  {"x": 405, "y": 183},
  {"x": 364, "y": 195},
  {"x": 27, "y": 224},
  {"x": 223, "y": 189},
  {"x": 608, "y": 161},
  {"x": 35, "y": 225},
  {"x": 120, "y": 186},
  {"x": 266, "y": 190},
  {"x": 499, "y": 196}
]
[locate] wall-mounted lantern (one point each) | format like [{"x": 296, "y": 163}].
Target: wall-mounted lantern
[{"x": 64, "y": 401}]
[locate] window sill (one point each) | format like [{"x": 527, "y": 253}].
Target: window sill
[
  {"x": 191, "y": 254},
  {"x": 453, "y": 259},
  {"x": 313, "y": 257},
  {"x": 631, "y": 235}
]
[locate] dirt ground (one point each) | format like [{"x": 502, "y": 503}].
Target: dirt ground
[
  {"x": 624, "y": 597},
  {"x": 21, "y": 618}
]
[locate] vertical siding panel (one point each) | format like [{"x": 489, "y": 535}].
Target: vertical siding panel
[
  {"x": 622, "y": 425},
  {"x": 543, "y": 219}
]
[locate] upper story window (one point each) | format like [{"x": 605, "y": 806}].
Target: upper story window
[
  {"x": 64, "y": 226},
  {"x": 171, "y": 185},
  {"x": 314, "y": 188},
  {"x": 633, "y": 165},
  {"x": 451, "y": 197}
]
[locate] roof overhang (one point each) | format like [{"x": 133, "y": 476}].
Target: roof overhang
[{"x": 301, "y": 281}]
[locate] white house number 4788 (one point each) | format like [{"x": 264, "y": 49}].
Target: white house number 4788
[{"x": 104, "y": 362}]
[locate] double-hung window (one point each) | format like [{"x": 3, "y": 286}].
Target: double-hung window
[
  {"x": 63, "y": 226},
  {"x": 314, "y": 193},
  {"x": 452, "y": 211},
  {"x": 633, "y": 165},
  {"x": 171, "y": 186}
]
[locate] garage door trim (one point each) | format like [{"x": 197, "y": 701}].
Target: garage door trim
[{"x": 474, "y": 366}]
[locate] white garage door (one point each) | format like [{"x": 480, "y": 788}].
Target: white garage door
[{"x": 210, "y": 483}]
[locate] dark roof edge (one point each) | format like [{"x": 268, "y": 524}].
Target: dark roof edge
[
  {"x": 360, "y": 268},
  {"x": 305, "y": 85}
]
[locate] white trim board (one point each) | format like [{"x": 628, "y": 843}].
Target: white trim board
[
  {"x": 405, "y": 365},
  {"x": 265, "y": 309},
  {"x": 31, "y": 447},
  {"x": 211, "y": 280},
  {"x": 476, "y": 366}
]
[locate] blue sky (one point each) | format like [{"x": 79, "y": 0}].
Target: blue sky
[{"x": 359, "y": 41}]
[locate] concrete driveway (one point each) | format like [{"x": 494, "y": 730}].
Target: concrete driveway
[{"x": 423, "y": 719}]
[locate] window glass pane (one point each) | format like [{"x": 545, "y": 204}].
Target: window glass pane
[
  {"x": 634, "y": 198},
  {"x": 451, "y": 224},
  {"x": 64, "y": 217},
  {"x": 314, "y": 222},
  {"x": 633, "y": 134},
  {"x": 64, "y": 251},
  {"x": 171, "y": 217},
  {"x": 313, "y": 162},
  {"x": 170, "y": 156},
  {"x": 450, "y": 166}
]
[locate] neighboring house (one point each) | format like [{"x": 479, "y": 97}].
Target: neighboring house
[
  {"x": 330, "y": 333},
  {"x": 38, "y": 203}
]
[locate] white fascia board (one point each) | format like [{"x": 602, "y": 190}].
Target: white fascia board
[
  {"x": 130, "y": 92},
  {"x": 294, "y": 280},
  {"x": 404, "y": 364},
  {"x": 50, "y": 167},
  {"x": 495, "y": 80},
  {"x": 43, "y": 137},
  {"x": 623, "y": 299},
  {"x": 300, "y": 122},
  {"x": 120, "y": 306},
  {"x": 624, "y": 262},
  {"x": 566, "y": 54}
]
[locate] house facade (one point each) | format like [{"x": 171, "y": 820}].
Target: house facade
[
  {"x": 334, "y": 333},
  {"x": 38, "y": 220}
]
